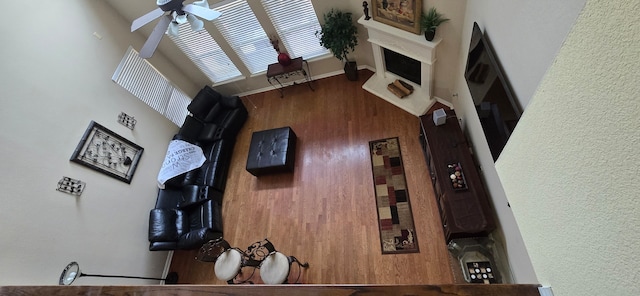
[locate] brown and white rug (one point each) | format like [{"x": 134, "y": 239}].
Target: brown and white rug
[{"x": 397, "y": 232}]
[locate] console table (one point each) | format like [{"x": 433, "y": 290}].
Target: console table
[
  {"x": 464, "y": 208},
  {"x": 275, "y": 72}
]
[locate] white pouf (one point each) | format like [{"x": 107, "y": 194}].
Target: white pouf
[
  {"x": 274, "y": 269},
  {"x": 228, "y": 265}
]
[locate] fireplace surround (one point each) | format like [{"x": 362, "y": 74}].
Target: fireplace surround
[{"x": 414, "y": 46}]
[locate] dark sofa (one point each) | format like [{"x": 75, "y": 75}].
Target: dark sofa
[{"x": 188, "y": 212}]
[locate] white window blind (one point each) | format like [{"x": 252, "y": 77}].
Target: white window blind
[
  {"x": 243, "y": 32},
  {"x": 296, "y": 23},
  {"x": 205, "y": 52},
  {"x": 142, "y": 80},
  {"x": 176, "y": 110}
]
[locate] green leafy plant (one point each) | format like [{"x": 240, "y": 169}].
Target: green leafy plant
[
  {"x": 338, "y": 33},
  {"x": 431, "y": 20}
]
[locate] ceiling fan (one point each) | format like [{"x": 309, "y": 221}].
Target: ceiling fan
[{"x": 178, "y": 13}]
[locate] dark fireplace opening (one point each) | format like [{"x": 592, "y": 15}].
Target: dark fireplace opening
[{"x": 402, "y": 66}]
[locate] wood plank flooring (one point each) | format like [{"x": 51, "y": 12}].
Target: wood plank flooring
[{"x": 325, "y": 212}]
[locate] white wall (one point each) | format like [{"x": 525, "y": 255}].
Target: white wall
[
  {"x": 56, "y": 78},
  {"x": 526, "y": 36},
  {"x": 447, "y": 54},
  {"x": 570, "y": 169}
]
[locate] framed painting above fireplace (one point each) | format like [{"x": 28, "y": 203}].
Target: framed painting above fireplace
[{"x": 402, "y": 14}]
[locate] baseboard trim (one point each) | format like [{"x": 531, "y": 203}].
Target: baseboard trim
[
  {"x": 301, "y": 81},
  {"x": 444, "y": 102}
]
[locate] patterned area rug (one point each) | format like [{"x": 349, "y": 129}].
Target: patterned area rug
[{"x": 397, "y": 234}]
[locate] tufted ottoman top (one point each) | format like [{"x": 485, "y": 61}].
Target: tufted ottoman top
[{"x": 272, "y": 151}]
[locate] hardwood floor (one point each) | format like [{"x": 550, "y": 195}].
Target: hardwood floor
[{"x": 325, "y": 212}]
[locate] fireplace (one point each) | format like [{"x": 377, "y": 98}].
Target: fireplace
[
  {"x": 414, "y": 47},
  {"x": 402, "y": 65}
]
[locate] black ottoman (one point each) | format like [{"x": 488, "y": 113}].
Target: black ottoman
[{"x": 272, "y": 151}]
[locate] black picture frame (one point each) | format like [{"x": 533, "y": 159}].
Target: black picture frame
[{"x": 107, "y": 152}]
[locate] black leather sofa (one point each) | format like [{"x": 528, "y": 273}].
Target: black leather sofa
[{"x": 188, "y": 212}]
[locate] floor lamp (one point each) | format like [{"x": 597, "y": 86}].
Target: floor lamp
[{"x": 72, "y": 272}]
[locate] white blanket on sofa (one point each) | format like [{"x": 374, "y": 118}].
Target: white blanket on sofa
[{"x": 181, "y": 157}]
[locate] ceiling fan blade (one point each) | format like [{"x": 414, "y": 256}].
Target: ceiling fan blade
[
  {"x": 150, "y": 46},
  {"x": 205, "y": 13},
  {"x": 145, "y": 19}
]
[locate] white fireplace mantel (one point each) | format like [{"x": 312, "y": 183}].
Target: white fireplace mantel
[{"x": 408, "y": 44}]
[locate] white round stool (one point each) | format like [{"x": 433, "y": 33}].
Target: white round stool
[
  {"x": 276, "y": 267},
  {"x": 228, "y": 265}
]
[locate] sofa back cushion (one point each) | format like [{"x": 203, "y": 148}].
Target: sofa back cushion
[
  {"x": 202, "y": 103},
  {"x": 213, "y": 113},
  {"x": 231, "y": 102},
  {"x": 190, "y": 130}
]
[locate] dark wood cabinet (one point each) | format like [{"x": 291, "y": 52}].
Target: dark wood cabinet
[{"x": 464, "y": 208}]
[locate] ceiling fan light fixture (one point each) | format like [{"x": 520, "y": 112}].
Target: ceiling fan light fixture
[
  {"x": 173, "y": 30},
  {"x": 196, "y": 24},
  {"x": 181, "y": 18}
]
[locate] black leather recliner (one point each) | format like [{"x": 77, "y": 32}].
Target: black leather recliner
[
  {"x": 185, "y": 218},
  {"x": 188, "y": 211}
]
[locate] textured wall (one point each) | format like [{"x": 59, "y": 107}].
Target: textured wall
[
  {"x": 570, "y": 170},
  {"x": 526, "y": 36}
]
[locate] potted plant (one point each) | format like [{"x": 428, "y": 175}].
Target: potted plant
[
  {"x": 339, "y": 34},
  {"x": 430, "y": 21}
]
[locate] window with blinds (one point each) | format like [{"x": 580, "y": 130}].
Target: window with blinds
[
  {"x": 296, "y": 23},
  {"x": 144, "y": 81},
  {"x": 205, "y": 52},
  {"x": 241, "y": 29}
]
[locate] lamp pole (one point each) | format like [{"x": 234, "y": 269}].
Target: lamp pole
[{"x": 72, "y": 271}]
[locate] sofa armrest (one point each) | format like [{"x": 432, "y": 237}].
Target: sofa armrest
[
  {"x": 197, "y": 195},
  {"x": 233, "y": 121},
  {"x": 209, "y": 133},
  {"x": 163, "y": 246},
  {"x": 196, "y": 238},
  {"x": 162, "y": 225}
]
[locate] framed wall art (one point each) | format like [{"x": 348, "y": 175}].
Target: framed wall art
[
  {"x": 107, "y": 152},
  {"x": 402, "y": 14}
]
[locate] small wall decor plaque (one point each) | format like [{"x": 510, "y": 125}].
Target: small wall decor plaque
[
  {"x": 107, "y": 152},
  {"x": 71, "y": 186},
  {"x": 126, "y": 120}
]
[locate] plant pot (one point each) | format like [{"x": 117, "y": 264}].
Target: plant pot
[
  {"x": 284, "y": 59},
  {"x": 351, "y": 70},
  {"x": 430, "y": 34}
]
